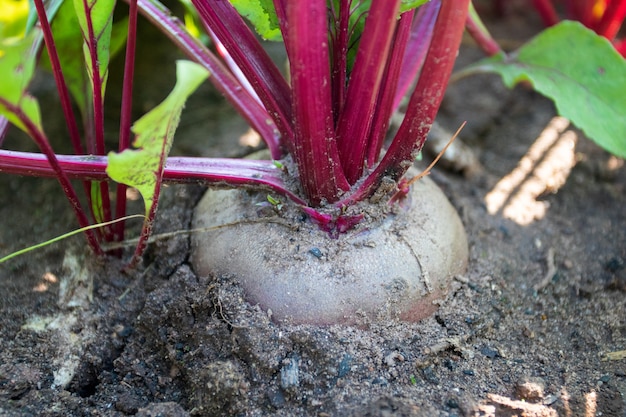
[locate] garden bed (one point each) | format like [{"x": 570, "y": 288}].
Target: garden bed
[{"x": 531, "y": 327}]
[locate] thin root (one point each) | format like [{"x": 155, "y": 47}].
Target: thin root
[
  {"x": 168, "y": 235},
  {"x": 432, "y": 164}
]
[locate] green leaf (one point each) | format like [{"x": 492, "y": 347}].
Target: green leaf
[
  {"x": 262, "y": 15},
  {"x": 359, "y": 13},
  {"x": 357, "y": 21},
  {"x": 17, "y": 66},
  {"x": 68, "y": 41},
  {"x": 193, "y": 23},
  {"x": 580, "y": 71},
  {"x": 96, "y": 202},
  {"x": 142, "y": 168},
  {"x": 411, "y": 4},
  {"x": 52, "y": 6},
  {"x": 98, "y": 14}
]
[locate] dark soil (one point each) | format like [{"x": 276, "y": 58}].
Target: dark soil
[{"x": 534, "y": 327}]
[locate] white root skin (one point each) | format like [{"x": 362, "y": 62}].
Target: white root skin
[{"x": 395, "y": 267}]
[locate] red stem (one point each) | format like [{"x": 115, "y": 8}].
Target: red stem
[
  {"x": 340, "y": 54},
  {"x": 384, "y": 107},
  {"x": 231, "y": 64},
  {"x": 357, "y": 116},
  {"x": 178, "y": 170},
  {"x": 98, "y": 114},
  {"x": 66, "y": 102},
  {"x": 315, "y": 149},
  {"x": 64, "y": 96},
  {"x": 424, "y": 102},
  {"x": 416, "y": 49},
  {"x": 146, "y": 230},
  {"x": 481, "y": 35},
  {"x": 280, "y": 6},
  {"x": 55, "y": 170},
  {"x": 546, "y": 10},
  {"x": 581, "y": 10},
  {"x": 571, "y": 9},
  {"x": 612, "y": 19},
  {"x": 590, "y": 19},
  {"x": 92, "y": 44},
  {"x": 126, "y": 112},
  {"x": 221, "y": 77},
  {"x": 148, "y": 222}
]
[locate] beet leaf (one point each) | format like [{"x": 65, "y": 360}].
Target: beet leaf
[
  {"x": 580, "y": 71},
  {"x": 143, "y": 167},
  {"x": 17, "y": 64},
  {"x": 262, "y": 15},
  {"x": 221, "y": 77}
]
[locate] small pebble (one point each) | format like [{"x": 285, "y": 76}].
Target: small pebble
[
  {"x": 380, "y": 381},
  {"x": 614, "y": 264},
  {"x": 489, "y": 352},
  {"x": 429, "y": 375},
  {"x": 452, "y": 402},
  {"x": 550, "y": 399},
  {"x": 450, "y": 364},
  {"x": 276, "y": 398}
]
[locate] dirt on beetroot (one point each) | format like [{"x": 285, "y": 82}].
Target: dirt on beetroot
[{"x": 535, "y": 327}]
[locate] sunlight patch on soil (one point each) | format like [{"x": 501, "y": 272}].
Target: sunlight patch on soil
[
  {"x": 250, "y": 139},
  {"x": 505, "y": 406},
  {"x": 499, "y": 405},
  {"x": 47, "y": 279},
  {"x": 543, "y": 170},
  {"x": 132, "y": 194},
  {"x": 591, "y": 404},
  {"x": 614, "y": 163}
]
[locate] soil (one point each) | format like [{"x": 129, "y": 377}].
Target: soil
[{"x": 535, "y": 327}]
